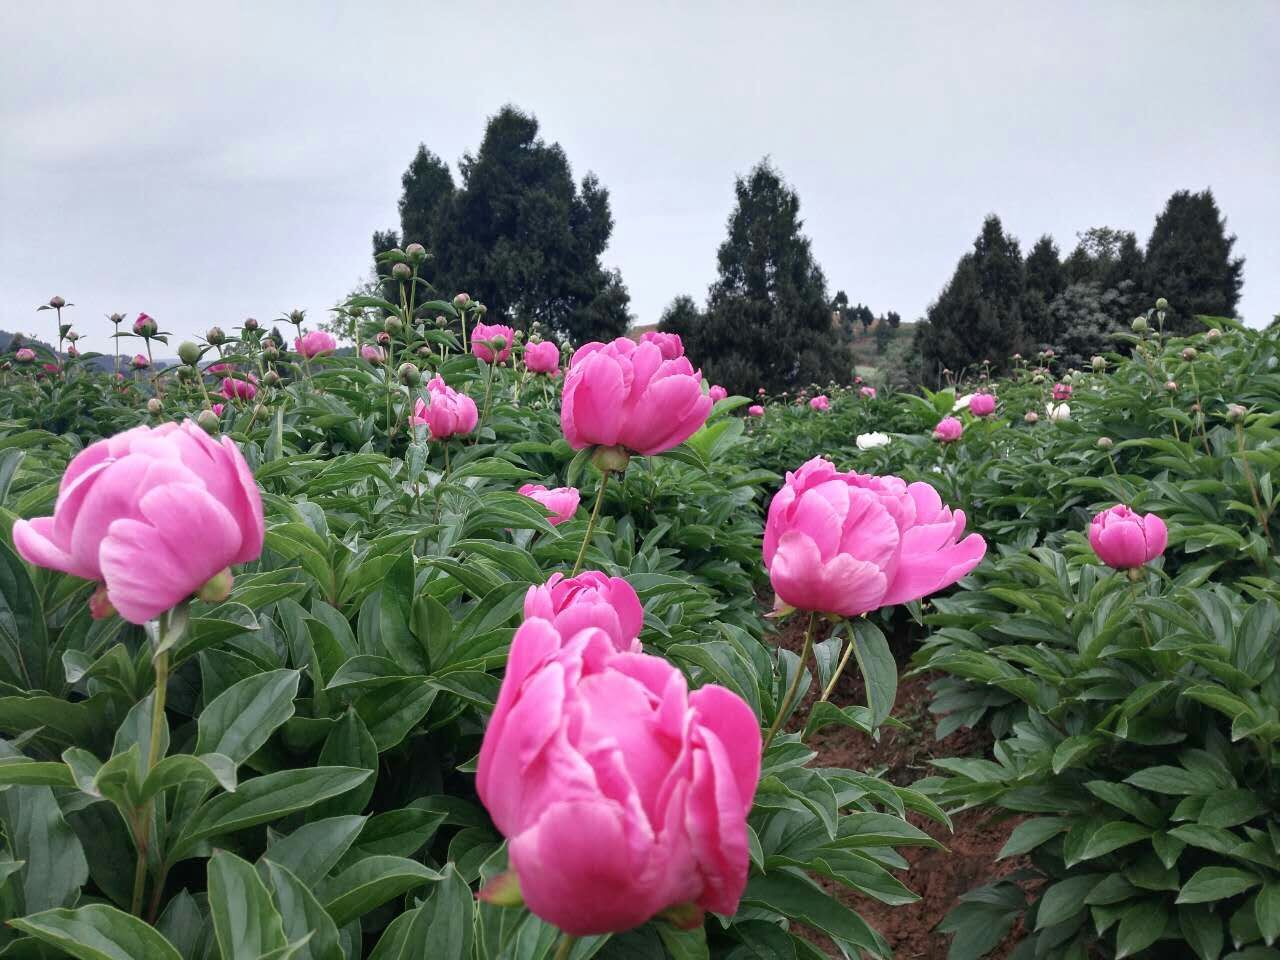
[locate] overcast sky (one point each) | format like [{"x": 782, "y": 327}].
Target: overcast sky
[{"x": 205, "y": 162}]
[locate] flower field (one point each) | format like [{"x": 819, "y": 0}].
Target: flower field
[{"x": 464, "y": 644}]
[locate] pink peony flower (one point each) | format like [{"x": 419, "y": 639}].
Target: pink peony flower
[
  {"x": 218, "y": 369},
  {"x": 236, "y": 389},
  {"x": 373, "y": 354},
  {"x": 820, "y": 403},
  {"x": 217, "y": 409},
  {"x": 449, "y": 413},
  {"x": 982, "y": 404},
  {"x": 1061, "y": 391},
  {"x": 562, "y": 502},
  {"x": 717, "y": 393},
  {"x": 590, "y": 599},
  {"x": 144, "y": 326},
  {"x": 755, "y": 410},
  {"x": 482, "y": 334},
  {"x": 1124, "y": 539},
  {"x": 317, "y": 343},
  {"x": 846, "y": 543},
  {"x": 25, "y": 355},
  {"x": 625, "y": 394},
  {"x": 867, "y": 392},
  {"x": 153, "y": 513},
  {"x": 669, "y": 343},
  {"x": 542, "y": 357},
  {"x": 620, "y": 792},
  {"x": 948, "y": 430},
  {"x": 140, "y": 362}
]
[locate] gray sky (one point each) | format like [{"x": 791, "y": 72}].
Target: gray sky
[{"x": 205, "y": 162}]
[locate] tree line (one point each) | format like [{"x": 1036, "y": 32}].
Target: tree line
[{"x": 518, "y": 230}]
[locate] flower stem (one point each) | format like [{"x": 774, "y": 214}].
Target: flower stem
[
  {"x": 794, "y": 687},
  {"x": 595, "y": 512},
  {"x": 566, "y": 947},
  {"x": 147, "y": 814},
  {"x": 488, "y": 387},
  {"x": 1253, "y": 484},
  {"x": 835, "y": 677}
]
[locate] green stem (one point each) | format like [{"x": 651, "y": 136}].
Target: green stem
[
  {"x": 1253, "y": 484},
  {"x": 595, "y": 512},
  {"x": 161, "y": 665},
  {"x": 1133, "y": 592},
  {"x": 566, "y": 947},
  {"x": 488, "y": 387},
  {"x": 794, "y": 687},
  {"x": 844, "y": 660}
]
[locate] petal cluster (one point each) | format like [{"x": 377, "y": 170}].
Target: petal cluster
[
  {"x": 448, "y": 414},
  {"x": 628, "y": 394},
  {"x": 482, "y": 337},
  {"x": 1123, "y": 538},
  {"x": 620, "y": 792},
  {"x": 317, "y": 343},
  {"x": 948, "y": 430},
  {"x": 542, "y": 357},
  {"x": 820, "y": 402},
  {"x": 848, "y": 543},
  {"x": 153, "y": 513},
  {"x": 590, "y": 599},
  {"x": 561, "y": 502}
]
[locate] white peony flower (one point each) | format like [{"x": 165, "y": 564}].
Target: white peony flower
[
  {"x": 962, "y": 403},
  {"x": 869, "y": 441},
  {"x": 1058, "y": 411}
]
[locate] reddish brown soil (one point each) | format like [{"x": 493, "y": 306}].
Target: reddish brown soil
[{"x": 939, "y": 876}]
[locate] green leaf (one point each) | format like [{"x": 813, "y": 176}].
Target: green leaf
[
  {"x": 1141, "y": 925},
  {"x": 1064, "y": 899},
  {"x": 452, "y": 917},
  {"x": 370, "y": 883},
  {"x": 879, "y": 669},
  {"x": 245, "y": 921},
  {"x": 792, "y": 895},
  {"x": 98, "y": 932},
  {"x": 1216, "y": 883},
  {"x": 1266, "y": 907},
  {"x": 312, "y": 850},
  {"x": 302, "y": 916},
  {"x": 211, "y": 769},
  {"x": 243, "y": 717}
]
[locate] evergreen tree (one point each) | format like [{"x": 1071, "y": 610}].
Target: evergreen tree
[
  {"x": 517, "y": 232},
  {"x": 978, "y": 315},
  {"x": 893, "y": 318},
  {"x": 768, "y": 320},
  {"x": 1045, "y": 280},
  {"x": 1189, "y": 261}
]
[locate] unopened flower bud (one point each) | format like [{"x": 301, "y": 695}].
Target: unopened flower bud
[
  {"x": 409, "y": 374},
  {"x": 461, "y": 301},
  {"x": 611, "y": 458},
  {"x": 1105, "y": 443},
  {"x": 382, "y": 338},
  {"x": 1038, "y": 378},
  {"x": 186, "y": 374},
  {"x": 72, "y": 336},
  {"x": 1162, "y": 304},
  {"x": 215, "y": 336},
  {"x": 271, "y": 378},
  {"x": 441, "y": 321},
  {"x": 393, "y": 325},
  {"x": 1099, "y": 364},
  {"x": 1236, "y": 412},
  {"x": 1195, "y": 408},
  {"x": 1032, "y": 417},
  {"x": 154, "y": 406},
  {"x": 1139, "y": 325},
  {"x": 57, "y": 302},
  {"x": 250, "y": 323},
  {"x": 1189, "y": 354},
  {"x": 401, "y": 271},
  {"x": 296, "y": 317},
  {"x": 1171, "y": 386},
  {"x": 416, "y": 252},
  {"x": 189, "y": 353},
  {"x": 218, "y": 588},
  {"x": 208, "y": 421},
  {"x": 1214, "y": 335},
  {"x": 498, "y": 343},
  {"x": 116, "y": 318},
  {"x": 481, "y": 309},
  {"x": 424, "y": 351}
]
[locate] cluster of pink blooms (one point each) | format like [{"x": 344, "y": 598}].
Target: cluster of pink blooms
[
  {"x": 449, "y": 413},
  {"x": 620, "y": 792},
  {"x": 868, "y": 393},
  {"x": 820, "y": 402}
]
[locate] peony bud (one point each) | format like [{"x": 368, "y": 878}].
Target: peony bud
[
  {"x": 1236, "y": 412},
  {"x": 1032, "y": 417},
  {"x": 1105, "y": 443},
  {"x": 1189, "y": 354},
  {"x": 382, "y": 338},
  {"x": 116, "y": 318},
  {"x": 441, "y": 321},
  {"x": 409, "y": 374},
  {"x": 72, "y": 336},
  {"x": 1162, "y": 304},
  {"x": 393, "y": 326},
  {"x": 154, "y": 406},
  {"x": 1171, "y": 386},
  {"x": 1099, "y": 364},
  {"x": 1139, "y": 325},
  {"x": 401, "y": 271},
  {"x": 57, "y": 303},
  {"x": 271, "y": 378},
  {"x": 461, "y": 301},
  {"x": 1214, "y": 335},
  {"x": 218, "y": 587},
  {"x": 188, "y": 353},
  {"x": 611, "y": 458},
  {"x": 215, "y": 336},
  {"x": 250, "y": 323},
  {"x": 208, "y": 421},
  {"x": 416, "y": 252}
]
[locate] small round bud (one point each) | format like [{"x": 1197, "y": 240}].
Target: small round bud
[
  {"x": 461, "y": 301},
  {"x": 297, "y": 317},
  {"x": 416, "y": 252},
  {"x": 1139, "y": 325},
  {"x": 1195, "y": 408},
  {"x": 154, "y": 406},
  {"x": 215, "y": 336},
  {"x": 402, "y": 271},
  {"x": 393, "y": 325},
  {"x": 441, "y": 322},
  {"x": 519, "y": 336},
  {"x": 1038, "y": 378},
  {"x": 481, "y": 309},
  {"x": 424, "y": 351},
  {"x": 186, "y": 374},
  {"x": 1236, "y": 412},
  {"x": 72, "y": 336},
  {"x": 1032, "y": 417},
  {"x": 1171, "y": 386},
  {"x": 57, "y": 303},
  {"x": 72, "y": 352},
  {"x": 611, "y": 458},
  {"x": 208, "y": 421},
  {"x": 189, "y": 353},
  {"x": 498, "y": 343},
  {"x": 382, "y": 338},
  {"x": 1105, "y": 443},
  {"x": 271, "y": 378},
  {"x": 218, "y": 588},
  {"x": 1189, "y": 354},
  {"x": 1162, "y": 304},
  {"x": 250, "y": 323},
  {"x": 116, "y": 318},
  {"x": 1214, "y": 335},
  {"x": 1099, "y": 364},
  {"x": 409, "y": 374}
]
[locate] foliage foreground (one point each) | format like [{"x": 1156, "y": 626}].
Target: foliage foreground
[{"x": 284, "y": 762}]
